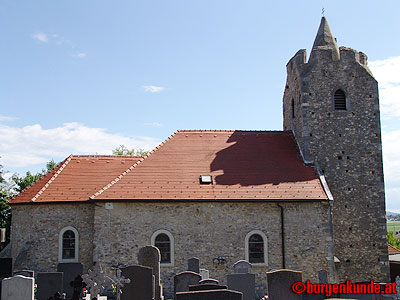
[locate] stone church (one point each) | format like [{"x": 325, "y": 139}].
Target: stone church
[{"x": 309, "y": 198}]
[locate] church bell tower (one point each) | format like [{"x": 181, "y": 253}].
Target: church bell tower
[{"x": 331, "y": 105}]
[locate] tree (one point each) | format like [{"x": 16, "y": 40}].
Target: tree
[
  {"x": 392, "y": 240},
  {"x": 8, "y": 190},
  {"x": 123, "y": 150}
]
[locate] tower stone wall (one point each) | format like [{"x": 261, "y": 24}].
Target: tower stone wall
[{"x": 345, "y": 145}]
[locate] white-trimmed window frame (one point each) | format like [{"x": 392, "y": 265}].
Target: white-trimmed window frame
[
  {"x": 246, "y": 247},
  {"x": 172, "y": 245},
  {"x": 60, "y": 245}
]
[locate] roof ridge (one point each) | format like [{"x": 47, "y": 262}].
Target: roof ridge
[
  {"x": 227, "y": 130},
  {"x": 99, "y": 192},
  {"x": 106, "y": 155},
  {"x": 37, "y": 180},
  {"x": 66, "y": 161}
]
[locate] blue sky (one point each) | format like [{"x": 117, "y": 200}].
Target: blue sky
[{"x": 86, "y": 76}]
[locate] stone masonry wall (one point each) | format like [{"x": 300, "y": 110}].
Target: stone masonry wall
[
  {"x": 41, "y": 224},
  {"x": 207, "y": 230},
  {"x": 346, "y": 147}
]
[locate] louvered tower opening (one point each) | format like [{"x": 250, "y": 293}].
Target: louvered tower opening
[{"x": 340, "y": 100}]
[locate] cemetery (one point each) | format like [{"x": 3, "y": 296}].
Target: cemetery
[{"x": 218, "y": 214}]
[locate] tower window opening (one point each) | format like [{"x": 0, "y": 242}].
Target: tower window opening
[
  {"x": 340, "y": 100},
  {"x": 293, "y": 114}
]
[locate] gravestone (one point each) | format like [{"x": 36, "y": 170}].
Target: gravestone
[
  {"x": 244, "y": 283},
  {"x": 49, "y": 283},
  {"x": 207, "y": 287},
  {"x": 18, "y": 288},
  {"x": 209, "y": 295},
  {"x": 205, "y": 274},
  {"x": 5, "y": 267},
  {"x": 322, "y": 276},
  {"x": 242, "y": 267},
  {"x": 149, "y": 256},
  {"x": 141, "y": 285},
  {"x": 77, "y": 285},
  {"x": 183, "y": 280},
  {"x": 194, "y": 265},
  {"x": 280, "y": 284},
  {"x": 26, "y": 273},
  {"x": 70, "y": 270},
  {"x": 209, "y": 281}
]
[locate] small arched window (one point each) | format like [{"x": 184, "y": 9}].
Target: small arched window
[
  {"x": 68, "y": 245},
  {"x": 164, "y": 241},
  {"x": 256, "y": 247},
  {"x": 339, "y": 99}
]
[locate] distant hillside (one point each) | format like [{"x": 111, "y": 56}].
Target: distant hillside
[{"x": 390, "y": 213}]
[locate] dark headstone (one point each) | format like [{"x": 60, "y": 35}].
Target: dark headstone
[
  {"x": 56, "y": 296},
  {"x": 242, "y": 267},
  {"x": 194, "y": 265},
  {"x": 70, "y": 270},
  {"x": 183, "y": 280},
  {"x": 322, "y": 276},
  {"x": 209, "y": 281},
  {"x": 209, "y": 295},
  {"x": 280, "y": 284},
  {"x": 141, "y": 285},
  {"x": 244, "y": 283},
  {"x": 5, "y": 267},
  {"x": 207, "y": 287},
  {"x": 48, "y": 284},
  {"x": 77, "y": 285},
  {"x": 26, "y": 273},
  {"x": 149, "y": 256}
]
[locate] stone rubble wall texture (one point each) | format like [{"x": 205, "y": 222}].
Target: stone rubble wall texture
[
  {"x": 346, "y": 146},
  {"x": 208, "y": 230},
  {"x": 41, "y": 224}
]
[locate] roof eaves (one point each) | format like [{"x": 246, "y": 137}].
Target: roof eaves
[
  {"x": 99, "y": 192},
  {"x": 325, "y": 186},
  {"x": 37, "y": 180},
  {"x": 52, "y": 178}
]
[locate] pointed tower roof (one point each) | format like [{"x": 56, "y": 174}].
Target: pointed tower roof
[{"x": 325, "y": 39}]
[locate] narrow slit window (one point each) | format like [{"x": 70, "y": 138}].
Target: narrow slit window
[
  {"x": 340, "y": 100},
  {"x": 293, "y": 113}
]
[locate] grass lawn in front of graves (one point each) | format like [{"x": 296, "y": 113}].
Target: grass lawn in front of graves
[{"x": 393, "y": 226}]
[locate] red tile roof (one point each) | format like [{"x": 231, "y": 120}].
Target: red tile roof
[
  {"x": 393, "y": 250},
  {"x": 245, "y": 165},
  {"x": 76, "y": 178}
]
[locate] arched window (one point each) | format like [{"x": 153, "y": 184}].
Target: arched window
[
  {"x": 256, "y": 248},
  {"x": 339, "y": 99},
  {"x": 68, "y": 245},
  {"x": 164, "y": 241}
]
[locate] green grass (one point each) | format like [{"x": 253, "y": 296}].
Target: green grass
[{"x": 393, "y": 226}]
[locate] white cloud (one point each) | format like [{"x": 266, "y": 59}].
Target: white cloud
[
  {"x": 153, "y": 124},
  {"x": 391, "y": 158},
  {"x": 80, "y": 55},
  {"x": 153, "y": 88},
  {"x": 32, "y": 145},
  {"x": 387, "y": 72},
  {"x": 41, "y": 37},
  {"x": 6, "y": 118}
]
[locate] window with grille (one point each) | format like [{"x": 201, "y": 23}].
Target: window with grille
[
  {"x": 68, "y": 245},
  {"x": 163, "y": 243},
  {"x": 68, "y": 251},
  {"x": 340, "y": 100},
  {"x": 256, "y": 249}
]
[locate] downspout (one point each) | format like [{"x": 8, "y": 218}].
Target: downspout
[{"x": 282, "y": 237}]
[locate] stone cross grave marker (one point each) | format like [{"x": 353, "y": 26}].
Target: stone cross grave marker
[
  {"x": 96, "y": 279},
  {"x": 242, "y": 267},
  {"x": 18, "y": 288},
  {"x": 149, "y": 256}
]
